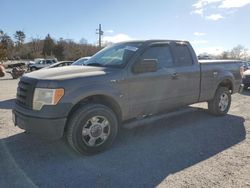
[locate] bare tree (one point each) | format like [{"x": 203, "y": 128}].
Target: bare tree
[
  {"x": 62, "y": 49},
  {"x": 83, "y": 41},
  {"x": 48, "y": 46},
  {"x": 239, "y": 52},
  {"x": 59, "y": 50},
  {"x": 36, "y": 47},
  {"x": 224, "y": 55}
]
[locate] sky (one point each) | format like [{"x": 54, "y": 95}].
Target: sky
[{"x": 210, "y": 25}]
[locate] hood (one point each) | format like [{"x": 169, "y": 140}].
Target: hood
[
  {"x": 247, "y": 72},
  {"x": 68, "y": 72},
  {"x": 31, "y": 62}
]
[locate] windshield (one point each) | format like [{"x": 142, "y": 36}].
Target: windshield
[
  {"x": 37, "y": 60},
  {"x": 80, "y": 61},
  {"x": 114, "y": 56},
  {"x": 58, "y": 64}
]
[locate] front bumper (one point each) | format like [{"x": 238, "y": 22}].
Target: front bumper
[{"x": 51, "y": 129}]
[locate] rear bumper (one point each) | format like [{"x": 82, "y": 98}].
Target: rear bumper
[
  {"x": 246, "y": 80},
  {"x": 51, "y": 129}
]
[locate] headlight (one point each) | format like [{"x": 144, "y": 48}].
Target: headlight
[{"x": 43, "y": 96}]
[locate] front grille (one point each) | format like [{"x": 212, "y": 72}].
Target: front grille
[{"x": 25, "y": 92}]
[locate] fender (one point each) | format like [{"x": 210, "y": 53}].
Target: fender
[
  {"x": 225, "y": 76},
  {"x": 105, "y": 89}
]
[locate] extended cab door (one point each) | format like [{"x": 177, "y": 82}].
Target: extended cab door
[
  {"x": 186, "y": 83},
  {"x": 152, "y": 92}
]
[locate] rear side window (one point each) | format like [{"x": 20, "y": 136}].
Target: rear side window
[
  {"x": 48, "y": 62},
  {"x": 183, "y": 55},
  {"x": 161, "y": 53}
]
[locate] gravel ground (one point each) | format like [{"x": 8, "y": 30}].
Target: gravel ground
[{"x": 193, "y": 149}]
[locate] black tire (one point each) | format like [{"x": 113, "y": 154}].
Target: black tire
[
  {"x": 14, "y": 76},
  {"x": 33, "y": 69},
  {"x": 80, "y": 118},
  {"x": 215, "y": 107}
]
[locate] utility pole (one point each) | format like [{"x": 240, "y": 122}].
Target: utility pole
[{"x": 100, "y": 33}]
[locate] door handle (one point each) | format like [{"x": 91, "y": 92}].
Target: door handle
[
  {"x": 174, "y": 75},
  {"x": 215, "y": 73},
  {"x": 116, "y": 81}
]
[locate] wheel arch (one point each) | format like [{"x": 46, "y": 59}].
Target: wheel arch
[
  {"x": 228, "y": 83},
  {"x": 100, "y": 99}
]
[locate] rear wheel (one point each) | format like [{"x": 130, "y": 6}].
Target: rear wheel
[
  {"x": 221, "y": 102},
  {"x": 14, "y": 76},
  {"x": 32, "y": 69},
  {"x": 92, "y": 128}
]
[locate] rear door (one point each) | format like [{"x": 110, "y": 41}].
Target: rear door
[{"x": 187, "y": 75}]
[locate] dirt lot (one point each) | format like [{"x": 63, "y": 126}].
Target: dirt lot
[{"x": 190, "y": 150}]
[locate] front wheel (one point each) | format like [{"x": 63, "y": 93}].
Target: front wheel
[
  {"x": 32, "y": 69},
  {"x": 221, "y": 102},
  {"x": 92, "y": 128}
]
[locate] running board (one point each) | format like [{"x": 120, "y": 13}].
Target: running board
[{"x": 150, "y": 119}]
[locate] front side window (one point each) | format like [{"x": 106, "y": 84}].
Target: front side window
[
  {"x": 161, "y": 53},
  {"x": 115, "y": 56}
]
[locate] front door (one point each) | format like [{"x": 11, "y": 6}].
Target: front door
[{"x": 152, "y": 92}]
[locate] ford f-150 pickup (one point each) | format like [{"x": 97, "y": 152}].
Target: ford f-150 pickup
[{"x": 124, "y": 82}]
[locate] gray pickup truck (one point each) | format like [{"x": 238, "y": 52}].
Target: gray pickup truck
[{"x": 122, "y": 83}]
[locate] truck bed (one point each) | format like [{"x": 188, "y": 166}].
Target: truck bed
[{"x": 213, "y": 71}]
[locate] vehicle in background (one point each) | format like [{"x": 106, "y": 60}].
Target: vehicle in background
[
  {"x": 246, "y": 79},
  {"x": 81, "y": 61},
  {"x": 59, "y": 64},
  {"x": 41, "y": 63},
  {"x": 124, "y": 84},
  {"x": 246, "y": 65},
  {"x": 19, "y": 64},
  {"x": 205, "y": 57},
  {"x": 17, "y": 72},
  {"x": 36, "y": 60}
]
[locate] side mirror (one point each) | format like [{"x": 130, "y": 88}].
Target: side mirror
[{"x": 145, "y": 65}]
